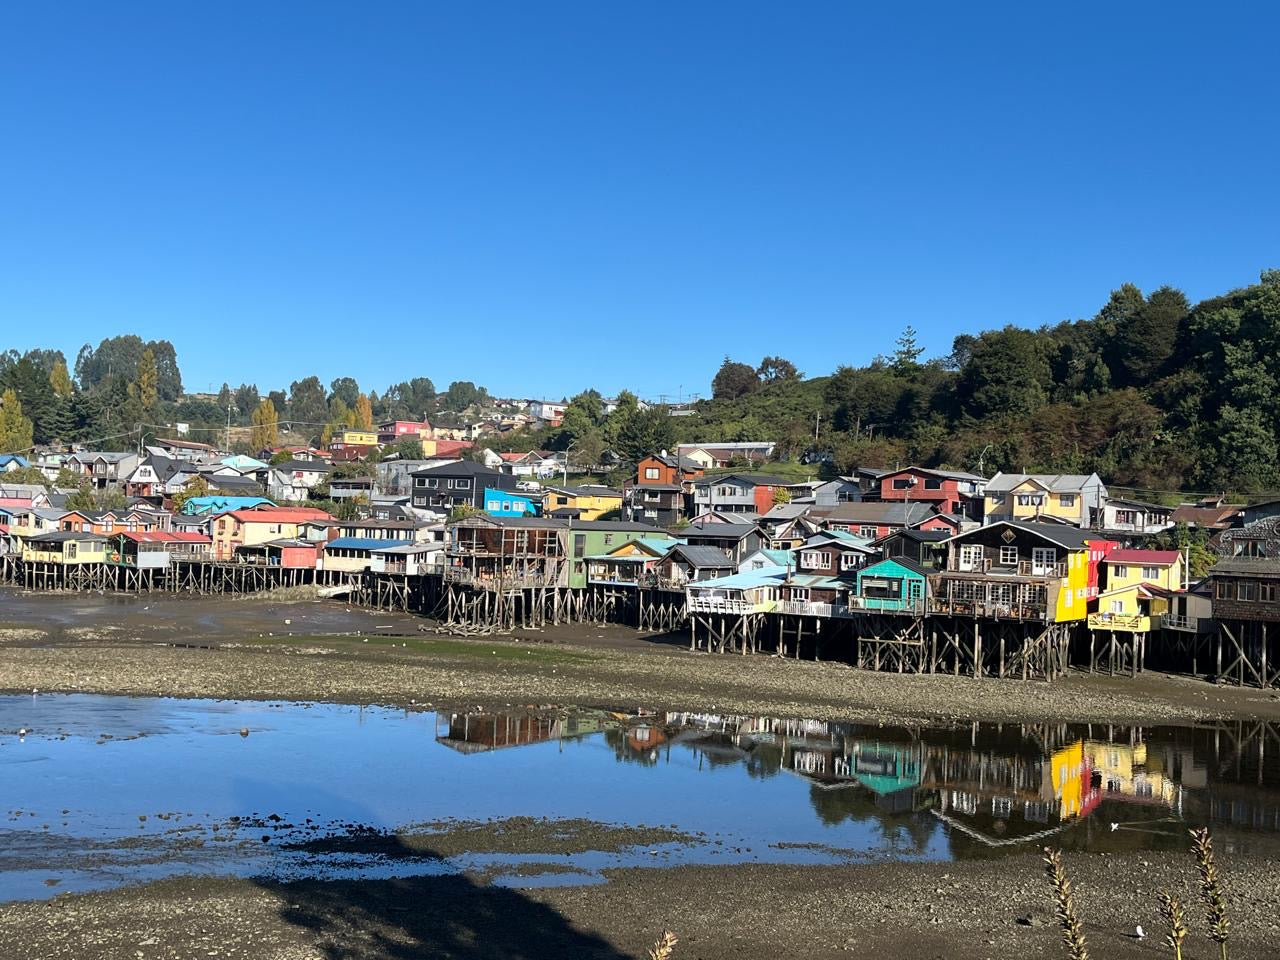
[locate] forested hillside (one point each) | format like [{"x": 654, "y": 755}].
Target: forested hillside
[{"x": 1153, "y": 393}]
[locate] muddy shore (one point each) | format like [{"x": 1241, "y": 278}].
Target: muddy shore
[
  {"x": 289, "y": 649},
  {"x": 298, "y": 650},
  {"x": 899, "y": 912}
]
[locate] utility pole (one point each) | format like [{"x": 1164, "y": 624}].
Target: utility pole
[{"x": 226, "y": 443}]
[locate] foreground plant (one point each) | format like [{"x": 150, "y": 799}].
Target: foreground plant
[
  {"x": 665, "y": 947},
  {"x": 1215, "y": 901},
  {"x": 1068, "y": 919},
  {"x": 1174, "y": 918}
]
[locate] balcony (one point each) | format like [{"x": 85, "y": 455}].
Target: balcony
[
  {"x": 728, "y": 605},
  {"x": 486, "y": 581},
  {"x": 988, "y": 567},
  {"x": 1173, "y": 621},
  {"x": 1130, "y": 623}
]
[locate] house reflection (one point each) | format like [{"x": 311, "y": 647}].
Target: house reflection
[{"x": 992, "y": 787}]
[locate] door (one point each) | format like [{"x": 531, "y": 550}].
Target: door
[
  {"x": 1043, "y": 560},
  {"x": 971, "y": 556}
]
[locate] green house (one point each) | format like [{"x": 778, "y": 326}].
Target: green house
[
  {"x": 894, "y": 586},
  {"x": 594, "y": 538}
]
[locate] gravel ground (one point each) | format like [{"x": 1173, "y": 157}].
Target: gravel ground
[{"x": 997, "y": 909}]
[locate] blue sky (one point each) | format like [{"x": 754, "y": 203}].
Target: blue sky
[{"x": 545, "y": 197}]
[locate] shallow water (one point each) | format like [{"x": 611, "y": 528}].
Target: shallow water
[{"x": 103, "y": 791}]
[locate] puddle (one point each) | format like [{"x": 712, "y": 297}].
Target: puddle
[{"x": 104, "y": 791}]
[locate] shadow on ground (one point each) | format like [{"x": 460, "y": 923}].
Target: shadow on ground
[{"x": 430, "y": 918}]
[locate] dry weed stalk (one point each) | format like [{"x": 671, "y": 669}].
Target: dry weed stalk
[
  {"x": 1068, "y": 919},
  {"x": 1174, "y": 918},
  {"x": 665, "y": 948},
  {"x": 1211, "y": 888}
]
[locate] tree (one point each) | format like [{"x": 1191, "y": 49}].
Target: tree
[
  {"x": 364, "y": 412},
  {"x": 773, "y": 369},
  {"x": 307, "y": 402},
  {"x": 409, "y": 448},
  {"x": 1147, "y": 337},
  {"x": 148, "y": 381},
  {"x": 734, "y": 380},
  {"x": 462, "y": 394},
  {"x": 15, "y": 427},
  {"x": 226, "y": 397},
  {"x": 627, "y": 406},
  {"x": 345, "y": 389},
  {"x": 246, "y": 399},
  {"x": 60, "y": 379},
  {"x": 906, "y": 359},
  {"x": 648, "y": 432},
  {"x": 1007, "y": 373},
  {"x": 266, "y": 432}
]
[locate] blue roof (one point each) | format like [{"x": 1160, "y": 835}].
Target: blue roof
[
  {"x": 746, "y": 580},
  {"x": 364, "y": 543},
  {"x": 8, "y": 458},
  {"x": 220, "y": 504}
]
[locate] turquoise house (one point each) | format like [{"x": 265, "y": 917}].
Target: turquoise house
[
  {"x": 508, "y": 503},
  {"x": 898, "y": 585},
  {"x": 200, "y": 506}
]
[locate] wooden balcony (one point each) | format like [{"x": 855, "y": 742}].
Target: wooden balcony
[
  {"x": 1173, "y": 621},
  {"x": 727, "y": 605},
  {"x": 1129, "y": 623},
  {"x": 1025, "y": 569}
]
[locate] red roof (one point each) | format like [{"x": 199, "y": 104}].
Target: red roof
[
  {"x": 1149, "y": 558},
  {"x": 512, "y": 457},
  {"x": 280, "y": 515},
  {"x": 446, "y": 447}
]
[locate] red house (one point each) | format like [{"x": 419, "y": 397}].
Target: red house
[
  {"x": 872, "y": 520},
  {"x": 947, "y": 490},
  {"x": 394, "y": 430},
  {"x": 664, "y": 470}
]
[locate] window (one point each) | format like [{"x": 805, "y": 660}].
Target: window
[
  {"x": 1001, "y": 807},
  {"x": 995, "y": 498},
  {"x": 902, "y": 483},
  {"x": 1117, "y": 606},
  {"x": 651, "y": 473},
  {"x": 1120, "y": 570},
  {"x": 867, "y": 532},
  {"x": 1127, "y": 518},
  {"x": 608, "y": 539},
  {"x": 1150, "y": 573},
  {"x": 1043, "y": 560},
  {"x": 506, "y": 505},
  {"x": 849, "y": 561},
  {"x": 1066, "y": 499},
  {"x": 579, "y": 545},
  {"x": 932, "y": 483},
  {"x": 651, "y": 514},
  {"x": 493, "y": 505},
  {"x": 1247, "y": 590},
  {"x": 1008, "y": 556},
  {"x": 1225, "y": 590},
  {"x": 800, "y": 593},
  {"x": 815, "y": 560},
  {"x": 1031, "y": 500}
]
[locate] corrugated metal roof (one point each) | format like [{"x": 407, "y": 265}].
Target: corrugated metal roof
[{"x": 364, "y": 543}]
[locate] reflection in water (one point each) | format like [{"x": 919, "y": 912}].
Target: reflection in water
[
  {"x": 993, "y": 786},
  {"x": 109, "y": 790}
]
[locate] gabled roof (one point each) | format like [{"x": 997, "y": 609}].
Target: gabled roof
[
  {"x": 1206, "y": 516},
  {"x": 839, "y": 538},
  {"x": 878, "y": 512},
  {"x": 720, "y": 531},
  {"x": 1053, "y": 482},
  {"x": 62, "y": 536},
  {"x": 746, "y": 580},
  {"x": 608, "y": 492},
  {"x": 751, "y": 479},
  {"x": 1067, "y": 537},
  {"x": 617, "y": 526},
  {"x": 165, "y": 537},
  {"x": 280, "y": 515},
  {"x": 702, "y": 557},
  {"x": 905, "y": 562},
  {"x": 945, "y": 474},
  {"x": 1145, "y": 558},
  {"x": 460, "y": 467},
  {"x": 303, "y": 466}
]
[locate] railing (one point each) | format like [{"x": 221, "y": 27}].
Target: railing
[
  {"x": 1119, "y": 621},
  {"x": 1173, "y": 621},
  {"x": 496, "y": 582},
  {"x": 726, "y": 605},
  {"x": 612, "y": 579},
  {"x": 993, "y": 611},
  {"x": 401, "y": 567},
  {"x": 1023, "y": 568}
]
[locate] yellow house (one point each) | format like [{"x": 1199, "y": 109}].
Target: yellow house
[
  {"x": 65, "y": 547},
  {"x": 357, "y": 438},
  {"x": 1127, "y": 771},
  {"x": 1066, "y": 780},
  {"x": 1074, "y": 498},
  {"x": 1137, "y": 586},
  {"x": 581, "y": 503}
]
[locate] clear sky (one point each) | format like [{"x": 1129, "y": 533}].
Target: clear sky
[{"x": 542, "y": 197}]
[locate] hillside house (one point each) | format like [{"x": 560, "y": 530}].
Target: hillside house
[
  {"x": 248, "y": 527},
  {"x": 509, "y": 503},
  {"x": 663, "y": 505},
  {"x": 735, "y": 540},
  {"x": 102, "y": 469},
  {"x": 713, "y": 456},
  {"x": 950, "y": 492},
  {"x": 1136, "y": 517},
  {"x": 293, "y": 480},
  {"x": 462, "y": 483},
  {"x": 582, "y": 503},
  {"x": 684, "y": 563},
  {"x": 1072, "y": 498},
  {"x": 1137, "y": 587},
  {"x": 662, "y": 469},
  {"x": 737, "y": 492}
]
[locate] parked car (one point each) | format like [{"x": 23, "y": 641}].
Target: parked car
[{"x": 528, "y": 485}]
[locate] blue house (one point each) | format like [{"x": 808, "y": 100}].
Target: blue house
[
  {"x": 508, "y": 503},
  {"x": 896, "y": 585},
  {"x": 12, "y": 461}
]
